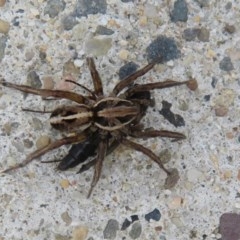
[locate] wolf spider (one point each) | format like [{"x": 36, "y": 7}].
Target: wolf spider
[{"x": 107, "y": 121}]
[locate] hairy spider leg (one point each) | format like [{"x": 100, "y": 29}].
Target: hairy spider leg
[
  {"x": 131, "y": 78},
  {"x": 157, "y": 85},
  {"x": 101, "y": 152},
  {"x": 46, "y": 92},
  {"x": 97, "y": 82},
  {"x": 38, "y": 153},
  {"x": 157, "y": 133},
  {"x": 140, "y": 148}
]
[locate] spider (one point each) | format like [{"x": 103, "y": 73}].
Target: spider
[{"x": 96, "y": 124}]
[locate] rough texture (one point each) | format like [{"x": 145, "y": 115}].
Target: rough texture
[{"x": 39, "y": 203}]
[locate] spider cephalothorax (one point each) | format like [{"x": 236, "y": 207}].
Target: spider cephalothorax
[{"x": 98, "y": 124}]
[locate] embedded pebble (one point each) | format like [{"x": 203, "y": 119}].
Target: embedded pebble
[
  {"x": 48, "y": 82},
  {"x": 98, "y": 47},
  {"x": 80, "y": 233},
  {"x": 180, "y": 11},
  {"x": 165, "y": 156},
  {"x": 229, "y": 226},
  {"x": 2, "y": 3},
  {"x": 27, "y": 143},
  {"x": 125, "y": 224},
  {"x": 229, "y": 28},
  {"x": 4, "y": 26},
  {"x": 69, "y": 22},
  {"x": 101, "y": 30},
  {"x": 203, "y": 34},
  {"x": 189, "y": 34},
  {"x": 226, "y": 64},
  {"x": 66, "y": 218},
  {"x": 175, "y": 203},
  {"x": 84, "y": 8},
  {"x": 162, "y": 49},
  {"x": 110, "y": 231},
  {"x": 43, "y": 141},
  {"x": 174, "y": 119},
  {"x": 172, "y": 179},
  {"x": 64, "y": 183},
  {"x": 54, "y": 7},
  {"x": 221, "y": 111},
  {"x": 123, "y": 54},
  {"x": 126, "y": 1},
  {"x": 3, "y": 41},
  {"x": 203, "y": 3},
  {"x": 33, "y": 80},
  {"x": 136, "y": 230},
  {"x": 29, "y": 55},
  {"x": 154, "y": 215},
  {"x": 127, "y": 69}
]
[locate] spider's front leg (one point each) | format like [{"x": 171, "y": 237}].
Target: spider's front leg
[
  {"x": 38, "y": 153},
  {"x": 45, "y": 92},
  {"x": 192, "y": 84}
]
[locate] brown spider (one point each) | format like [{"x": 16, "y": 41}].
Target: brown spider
[{"x": 107, "y": 120}]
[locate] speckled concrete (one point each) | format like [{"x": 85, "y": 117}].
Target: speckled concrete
[{"x": 44, "y": 42}]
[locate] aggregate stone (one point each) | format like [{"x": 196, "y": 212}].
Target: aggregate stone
[
  {"x": 3, "y": 41},
  {"x": 203, "y": 34},
  {"x": 34, "y": 80},
  {"x": 226, "y": 64},
  {"x": 189, "y": 34},
  {"x": 86, "y": 7},
  {"x": 180, "y": 11},
  {"x": 54, "y": 7},
  {"x": 136, "y": 230},
  {"x": 127, "y": 70},
  {"x": 154, "y": 215},
  {"x": 101, "y": 30},
  {"x": 111, "y": 229},
  {"x": 162, "y": 49}
]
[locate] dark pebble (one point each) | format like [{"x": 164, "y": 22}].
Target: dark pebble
[
  {"x": 207, "y": 97},
  {"x": 134, "y": 218},
  {"x": 15, "y": 21},
  {"x": 190, "y": 34},
  {"x": 84, "y": 8},
  {"x": 126, "y": 224},
  {"x": 33, "y": 80},
  {"x": 226, "y": 64},
  {"x": 69, "y": 22},
  {"x": 180, "y": 11},
  {"x": 20, "y": 11},
  {"x": 229, "y": 28},
  {"x": 202, "y": 3},
  {"x": 174, "y": 119},
  {"x": 154, "y": 215},
  {"x": 214, "y": 82},
  {"x": 228, "y": 6},
  {"x": 230, "y": 226},
  {"x": 3, "y": 41},
  {"x": 203, "y": 34},
  {"x": 110, "y": 231},
  {"x": 128, "y": 69},
  {"x": 126, "y": 1},
  {"x": 162, "y": 49},
  {"x": 136, "y": 230},
  {"x": 54, "y": 7},
  {"x": 101, "y": 30}
]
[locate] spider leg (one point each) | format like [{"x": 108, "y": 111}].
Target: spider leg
[
  {"x": 158, "y": 85},
  {"x": 131, "y": 78},
  {"x": 101, "y": 152},
  {"x": 140, "y": 148},
  {"x": 91, "y": 163},
  {"x": 46, "y": 92},
  {"x": 38, "y": 153},
  {"x": 97, "y": 82},
  {"x": 158, "y": 133}
]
